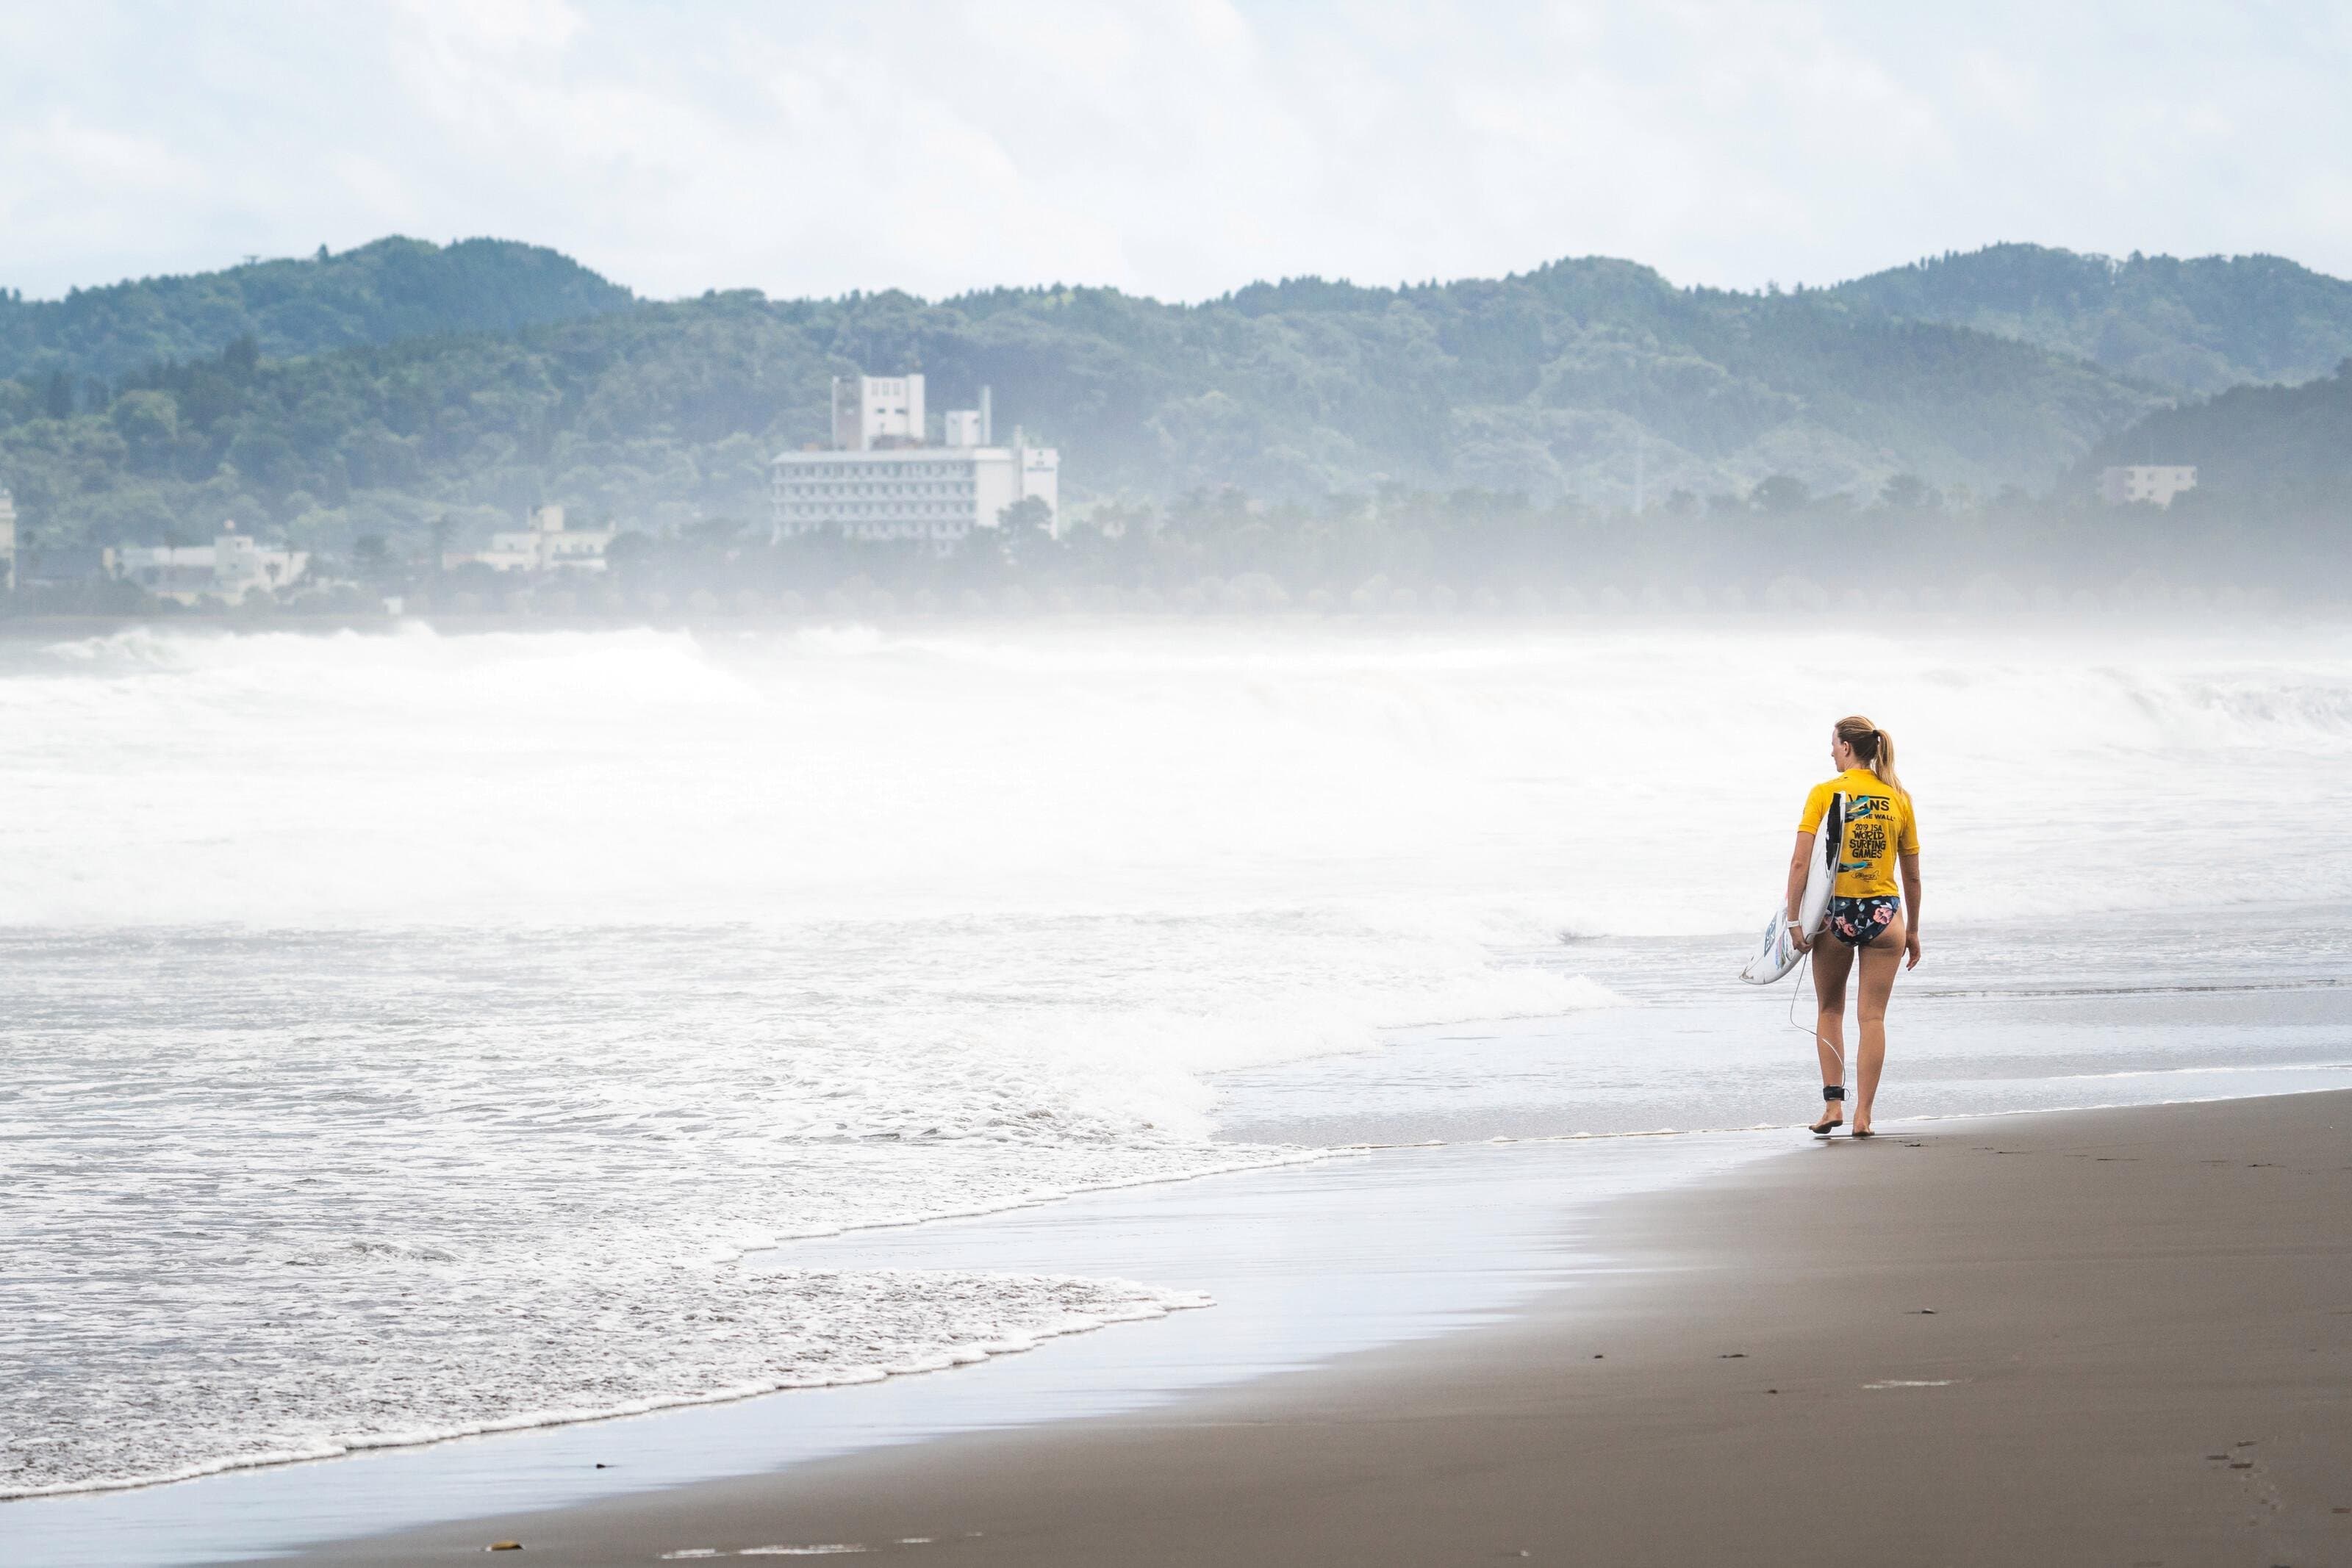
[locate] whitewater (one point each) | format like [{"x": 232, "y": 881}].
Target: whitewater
[{"x": 408, "y": 1034}]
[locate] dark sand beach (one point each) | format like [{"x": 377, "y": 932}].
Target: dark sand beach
[{"x": 2101, "y": 1337}]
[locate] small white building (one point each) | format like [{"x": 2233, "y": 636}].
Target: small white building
[
  {"x": 903, "y": 489},
  {"x": 7, "y": 540},
  {"x": 545, "y": 545},
  {"x": 228, "y": 568},
  {"x": 2153, "y": 482}
]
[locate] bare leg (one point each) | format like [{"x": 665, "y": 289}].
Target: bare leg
[
  {"x": 1879, "y": 962},
  {"x": 1833, "y": 961}
]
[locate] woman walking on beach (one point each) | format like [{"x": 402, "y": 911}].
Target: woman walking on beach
[{"x": 1866, "y": 914}]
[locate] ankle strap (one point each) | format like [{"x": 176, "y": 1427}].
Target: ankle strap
[{"x": 1834, "y": 1092}]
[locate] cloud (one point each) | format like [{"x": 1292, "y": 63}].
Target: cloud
[{"x": 1180, "y": 148}]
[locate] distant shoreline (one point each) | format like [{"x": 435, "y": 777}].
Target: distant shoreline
[{"x": 52, "y": 628}]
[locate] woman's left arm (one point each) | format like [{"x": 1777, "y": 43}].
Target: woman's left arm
[{"x": 1910, "y": 863}]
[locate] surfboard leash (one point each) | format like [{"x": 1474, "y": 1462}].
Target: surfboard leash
[{"x": 1836, "y": 1048}]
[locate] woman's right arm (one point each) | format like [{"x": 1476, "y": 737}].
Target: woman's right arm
[{"x": 1800, "y": 863}]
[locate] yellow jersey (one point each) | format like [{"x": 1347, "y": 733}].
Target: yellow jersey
[{"x": 1879, "y": 825}]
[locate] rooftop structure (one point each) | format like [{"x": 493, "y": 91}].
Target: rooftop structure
[
  {"x": 545, "y": 545},
  {"x": 2151, "y": 482},
  {"x": 228, "y": 568},
  {"x": 871, "y": 412},
  {"x": 882, "y": 481}
]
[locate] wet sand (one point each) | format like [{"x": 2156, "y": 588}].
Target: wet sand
[{"x": 2109, "y": 1337}]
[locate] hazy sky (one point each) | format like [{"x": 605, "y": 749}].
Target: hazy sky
[{"x": 1178, "y": 147}]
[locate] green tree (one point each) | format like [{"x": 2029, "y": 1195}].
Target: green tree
[{"x": 1024, "y": 530}]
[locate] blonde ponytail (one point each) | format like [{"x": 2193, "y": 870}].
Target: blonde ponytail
[{"x": 1875, "y": 746}]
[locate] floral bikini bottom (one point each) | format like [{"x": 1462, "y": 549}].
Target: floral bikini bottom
[{"x": 1858, "y": 922}]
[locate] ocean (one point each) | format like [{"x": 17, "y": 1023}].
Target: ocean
[{"x": 411, "y": 1035}]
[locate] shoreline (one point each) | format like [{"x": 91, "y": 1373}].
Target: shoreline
[
  {"x": 2014, "y": 1340},
  {"x": 785, "y": 1253},
  {"x": 780, "y": 1251},
  {"x": 1300, "y": 1259}
]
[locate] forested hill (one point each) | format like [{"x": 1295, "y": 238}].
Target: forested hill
[
  {"x": 391, "y": 289},
  {"x": 2194, "y": 326},
  {"x": 1577, "y": 382},
  {"x": 2261, "y": 452}
]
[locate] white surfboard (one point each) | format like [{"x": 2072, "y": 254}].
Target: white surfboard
[{"x": 1777, "y": 954}]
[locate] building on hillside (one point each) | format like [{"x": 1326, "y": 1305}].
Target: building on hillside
[
  {"x": 2152, "y": 482},
  {"x": 545, "y": 545},
  {"x": 881, "y": 481},
  {"x": 7, "y": 542},
  {"x": 228, "y": 568}
]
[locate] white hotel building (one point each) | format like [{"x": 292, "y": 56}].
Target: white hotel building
[{"x": 882, "y": 482}]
